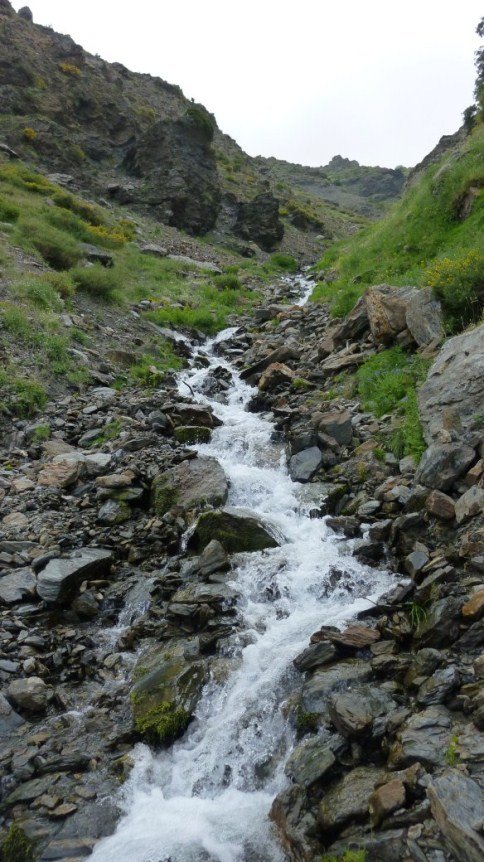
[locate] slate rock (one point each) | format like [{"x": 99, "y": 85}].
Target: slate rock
[
  {"x": 30, "y": 694},
  {"x": 312, "y": 759},
  {"x": 424, "y": 737},
  {"x": 437, "y": 687},
  {"x": 442, "y": 463},
  {"x": 353, "y": 712},
  {"x": 18, "y": 585},
  {"x": 470, "y": 504},
  {"x": 348, "y": 799},
  {"x": 238, "y": 529},
  {"x": 9, "y": 720},
  {"x": 305, "y": 464},
  {"x": 315, "y": 655},
  {"x": 63, "y": 575},
  {"x": 457, "y": 804},
  {"x": 193, "y": 484}
]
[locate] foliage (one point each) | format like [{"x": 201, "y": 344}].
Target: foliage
[
  {"x": 227, "y": 280},
  {"x": 95, "y": 280},
  {"x": 19, "y": 395},
  {"x": 41, "y": 433},
  {"x": 69, "y": 69},
  {"x": 40, "y": 291},
  {"x": 149, "y": 370},
  {"x": 16, "y": 846},
  {"x": 202, "y": 120},
  {"x": 459, "y": 284},
  {"x": 9, "y": 212},
  {"x": 452, "y": 754},
  {"x": 284, "y": 261},
  {"x": 57, "y": 248},
  {"x": 86, "y": 211},
  {"x": 348, "y": 856},
  {"x": 162, "y": 723},
  {"x": 29, "y": 134}
]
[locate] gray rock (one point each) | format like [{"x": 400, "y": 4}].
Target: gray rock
[
  {"x": 113, "y": 512},
  {"x": 213, "y": 559},
  {"x": 206, "y": 265},
  {"x": 61, "y": 577},
  {"x": 424, "y": 317},
  {"x": 9, "y": 720},
  {"x": 17, "y": 586},
  {"x": 469, "y": 504},
  {"x": 455, "y": 383},
  {"x": 321, "y": 685},
  {"x": 192, "y": 484},
  {"x": 280, "y": 354},
  {"x": 352, "y": 712},
  {"x": 438, "y": 687},
  {"x": 97, "y": 255},
  {"x": 425, "y": 737},
  {"x": 337, "y": 424},
  {"x": 313, "y": 759},
  {"x": 457, "y": 804},
  {"x": 441, "y": 624},
  {"x": 237, "y": 529},
  {"x": 153, "y": 249},
  {"x": 315, "y": 655},
  {"x": 443, "y": 463},
  {"x": 31, "y": 694},
  {"x": 348, "y": 799},
  {"x": 304, "y": 465},
  {"x": 415, "y": 562}
]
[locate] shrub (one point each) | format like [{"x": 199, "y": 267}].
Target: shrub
[
  {"x": 41, "y": 433},
  {"x": 227, "y": 280},
  {"x": 29, "y": 134},
  {"x": 20, "y": 395},
  {"x": 459, "y": 284},
  {"x": 15, "y": 321},
  {"x": 96, "y": 281},
  {"x": 385, "y": 379},
  {"x": 284, "y": 261},
  {"x": 110, "y": 237},
  {"x": 57, "y": 248},
  {"x": 69, "y": 69},
  {"x": 40, "y": 291},
  {"x": 89, "y": 213},
  {"x": 8, "y": 211},
  {"x": 202, "y": 120}
]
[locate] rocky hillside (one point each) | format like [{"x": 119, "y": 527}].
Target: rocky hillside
[
  {"x": 136, "y": 140},
  {"x": 343, "y": 182}
]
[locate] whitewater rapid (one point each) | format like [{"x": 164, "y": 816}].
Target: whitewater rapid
[{"x": 207, "y": 798}]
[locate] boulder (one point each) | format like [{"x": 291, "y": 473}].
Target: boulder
[
  {"x": 337, "y": 424},
  {"x": 440, "y": 505},
  {"x": 315, "y": 655},
  {"x": 440, "y": 625},
  {"x": 348, "y": 799},
  {"x": 192, "y": 435},
  {"x": 192, "y": 484},
  {"x": 205, "y": 265},
  {"x": 61, "y": 474},
  {"x": 313, "y": 759},
  {"x": 424, "y": 737},
  {"x": 153, "y": 249},
  {"x": 442, "y": 463},
  {"x": 276, "y": 375},
  {"x": 392, "y": 310},
  {"x": 25, "y": 13},
  {"x": 436, "y": 688},
  {"x": 353, "y": 712},
  {"x": 386, "y": 799},
  {"x": 457, "y": 804},
  {"x": 62, "y": 576},
  {"x": 455, "y": 382},
  {"x": 237, "y": 529},
  {"x": 258, "y": 221},
  {"x": 195, "y": 414},
  {"x": 470, "y": 504},
  {"x": 423, "y": 317},
  {"x": 280, "y": 354},
  {"x": 354, "y": 324},
  {"x": 17, "y": 586},
  {"x": 31, "y": 694},
  {"x": 165, "y": 697},
  {"x": 213, "y": 559},
  {"x": 305, "y": 464},
  {"x": 9, "y": 720},
  {"x": 325, "y": 681}
]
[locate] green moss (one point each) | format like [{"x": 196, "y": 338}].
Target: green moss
[
  {"x": 190, "y": 435},
  {"x": 164, "y": 496},
  {"x": 300, "y": 383},
  {"x": 306, "y": 722},
  {"x": 41, "y": 433},
  {"x": 162, "y": 723},
  {"x": 284, "y": 261},
  {"x": 348, "y": 856},
  {"x": 16, "y": 846}
]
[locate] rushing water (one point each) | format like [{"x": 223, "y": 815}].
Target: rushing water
[{"x": 208, "y": 797}]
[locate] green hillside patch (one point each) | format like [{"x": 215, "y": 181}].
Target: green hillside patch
[{"x": 440, "y": 216}]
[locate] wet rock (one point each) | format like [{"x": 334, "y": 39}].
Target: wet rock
[
  {"x": 195, "y": 414},
  {"x": 236, "y": 529},
  {"x": 443, "y": 463},
  {"x": 164, "y": 699},
  {"x": 315, "y": 655},
  {"x": 277, "y": 374},
  {"x": 280, "y": 355},
  {"x": 425, "y": 737},
  {"x": 455, "y": 382},
  {"x": 192, "y": 484},
  {"x": 469, "y": 504},
  {"x": 415, "y": 562},
  {"x": 191, "y": 435},
  {"x": 353, "y": 712},
  {"x": 62, "y": 576},
  {"x": 323, "y": 682},
  {"x": 440, "y": 505},
  {"x": 17, "y": 586},
  {"x": 354, "y": 636},
  {"x": 312, "y": 760},
  {"x": 305, "y": 464},
  {"x": 114, "y": 512},
  {"x": 350, "y": 527},
  {"x": 295, "y": 823},
  {"x": 31, "y": 695},
  {"x": 213, "y": 559},
  {"x": 458, "y": 807},
  {"x": 348, "y": 799},
  {"x": 30, "y": 790}
]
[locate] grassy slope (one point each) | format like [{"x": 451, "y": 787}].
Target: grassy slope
[
  {"x": 423, "y": 227},
  {"x": 43, "y": 276}
]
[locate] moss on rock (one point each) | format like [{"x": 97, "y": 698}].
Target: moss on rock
[
  {"x": 17, "y": 847},
  {"x": 192, "y": 434}
]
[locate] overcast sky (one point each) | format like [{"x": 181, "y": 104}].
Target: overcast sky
[{"x": 375, "y": 80}]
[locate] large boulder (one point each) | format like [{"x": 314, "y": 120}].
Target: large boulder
[
  {"x": 32, "y": 694},
  {"x": 454, "y": 389},
  {"x": 236, "y": 529},
  {"x": 190, "y": 485},
  {"x": 258, "y": 220},
  {"x": 349, "y": 798},
  {"x": 392, "y": 310},
  {"x": 457, "y": 804},
  {"x": 443, "y": 463},
  {"x": 61, "y": 577},
  {"x": 305, "y": 464},
  {"x": 164, "y": 699}
]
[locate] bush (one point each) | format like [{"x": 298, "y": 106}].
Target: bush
[
  {"x": 17, "y": 847},
  {"x": 96, "y": 281},
  {"x": 69, "y": 69},
  {"x": 58, "y": 249},
  {"x": 8, "y": 211},
  {"x": 29, "y": 134},
  {"x": 15, "y": 321},
  {"x": 40, "y": 291},
  {"x": 227, "y": 280},
  {"x": 86, "y": 211},
  {"x": 21, "y": 396},
  {"x": 459, "y": 284},
  {"x": 284, "y": 261},
  {"x": 202, "y": 120}
]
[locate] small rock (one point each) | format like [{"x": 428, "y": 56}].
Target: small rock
[
  {"x": 386, "y": 799},
  {"x": 440, "y": 505},
  {"x": 470, "y": 504}
]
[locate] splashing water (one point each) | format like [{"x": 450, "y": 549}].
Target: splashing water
[{"x": 207, "y": 799}]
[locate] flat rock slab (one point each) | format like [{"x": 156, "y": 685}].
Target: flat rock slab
[
  {"x": 304, "y": 465},
  {"x": 238, "y": 530},
  {"x": 61, "y": 577},
  {"x": 354, "y": 636},
  {"x": 457, "y": 804},
  {"x": 17, "y": 586}
]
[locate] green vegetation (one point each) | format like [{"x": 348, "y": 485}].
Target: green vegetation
[
  {"x": 348, "y": 856},
  {"x": 387, "y": 383},
  {"x": 452, "y": 754},
  {"x": 440, "y": 217},
  {"x": 95, "y": 280},
  {"x": 306, "y": 722},
  {"x": 17, "y": 847},
  {"x": 459, "y": 284},
  {"x": 19, "y": 395},
  {"x": 41, "y": 433},
  {"x": 284, "y": 261},
  {"x": 162, "y": 723}
]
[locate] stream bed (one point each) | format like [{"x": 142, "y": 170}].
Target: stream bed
[{"x": 207, "y": 798}]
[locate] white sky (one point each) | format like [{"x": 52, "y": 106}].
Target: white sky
[{"x": 375, "y": 80}]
